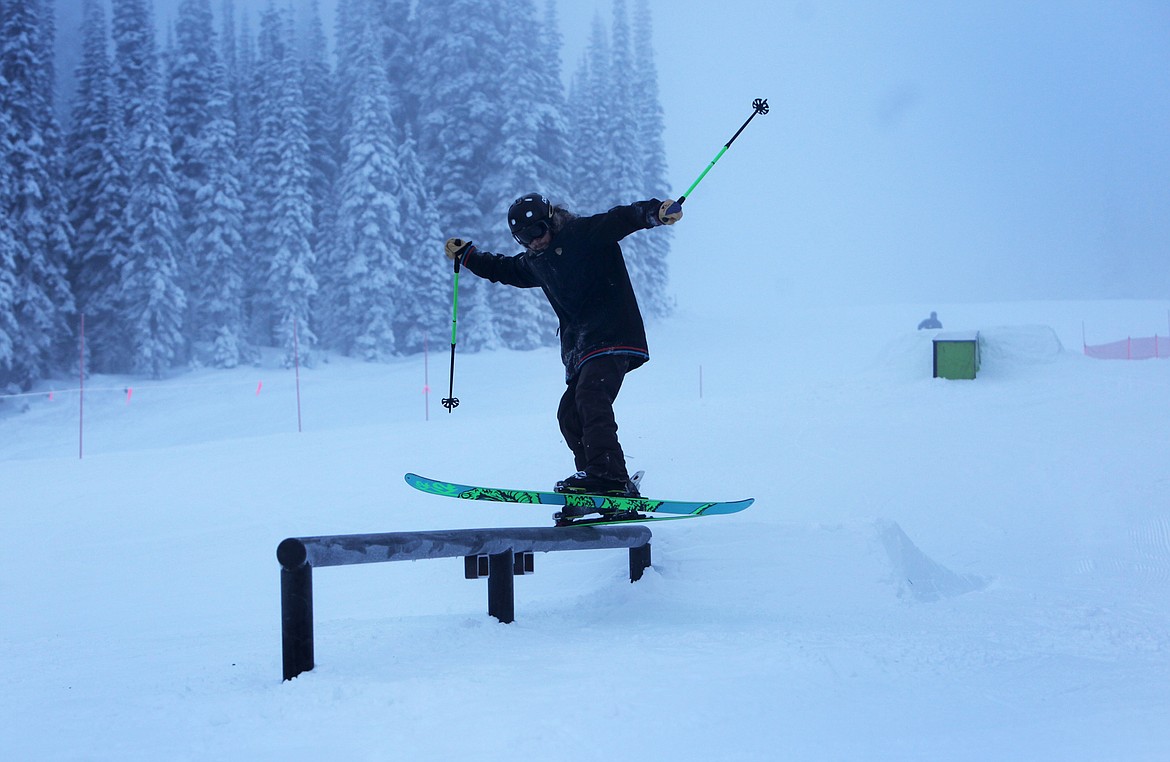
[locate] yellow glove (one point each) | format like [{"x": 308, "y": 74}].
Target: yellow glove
[
  {"x": 670, "y": 212},
  {"x": 456, "y": 248}
]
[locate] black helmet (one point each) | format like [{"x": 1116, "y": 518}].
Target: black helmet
[{"x": 529, "y": 217}]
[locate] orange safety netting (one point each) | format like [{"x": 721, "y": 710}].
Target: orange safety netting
[{"x": 1141, "y": 348}]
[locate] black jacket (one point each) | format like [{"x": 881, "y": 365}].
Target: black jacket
[{"x": 584, "y": 277}]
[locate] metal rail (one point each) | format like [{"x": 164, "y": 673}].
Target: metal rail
[{"x": 507, "y": 552}]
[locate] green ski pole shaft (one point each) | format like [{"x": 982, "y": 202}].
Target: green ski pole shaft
[
  {"x": 452, "y": 401},
  {"x": 759, "y": 106}
]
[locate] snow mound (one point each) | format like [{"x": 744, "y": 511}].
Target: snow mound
[
  {"x": 864, "y": 565},
  {"x": 915, "y": 574},
  {"x": 1020, "y": 345}
]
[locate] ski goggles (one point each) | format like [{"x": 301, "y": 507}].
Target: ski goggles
[{"x": 530, "y": 233}]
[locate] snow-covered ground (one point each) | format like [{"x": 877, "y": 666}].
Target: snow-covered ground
[{"x": 932, "y": 570}]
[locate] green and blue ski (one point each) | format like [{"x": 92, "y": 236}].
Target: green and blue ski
[{"x": 612, "y": 510}]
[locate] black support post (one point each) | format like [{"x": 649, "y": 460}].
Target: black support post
[
  {"x": 639, "y": 561},
  {"x": 475, "y": 567},
  {"x": 501, "y": 587},
  {"x": 523, "y": 564},
  {"x": 296, "y": 615}
]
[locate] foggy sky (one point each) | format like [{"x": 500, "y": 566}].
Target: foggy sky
[
  {"x": 915, "y": 151},
  {"x": 921, "y": 151}
]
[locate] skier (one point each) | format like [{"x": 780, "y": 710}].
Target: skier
[{"x": 578, "y": 264}]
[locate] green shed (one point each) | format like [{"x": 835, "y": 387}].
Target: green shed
[{"x": 956, "y": 354}]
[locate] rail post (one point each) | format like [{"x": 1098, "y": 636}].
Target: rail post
[
  {"x": 501, "y": 587},
  {"x": 639, "y": 561},
  {"x": 296, "y": 614}
]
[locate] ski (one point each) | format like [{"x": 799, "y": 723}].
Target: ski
[{"x": 612, "y": 510}]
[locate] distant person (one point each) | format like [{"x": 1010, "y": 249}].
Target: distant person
[{"x": 930, "y": 322}]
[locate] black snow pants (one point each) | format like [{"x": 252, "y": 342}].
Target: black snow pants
[{"x": 586, "y": 417}]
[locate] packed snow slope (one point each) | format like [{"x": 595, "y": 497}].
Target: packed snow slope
[{"x": 932, "y": 570}]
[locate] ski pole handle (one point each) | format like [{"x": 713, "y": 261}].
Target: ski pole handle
[
  {"x": 455, "y": 304},
  {"x": 452, "y": 401}
]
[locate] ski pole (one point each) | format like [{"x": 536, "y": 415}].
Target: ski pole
[
  {"x": 452, "y": 402},
  {"x": 759, "y": 106}
]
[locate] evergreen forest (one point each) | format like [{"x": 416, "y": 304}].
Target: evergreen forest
[{"x": 238, "y": 183}]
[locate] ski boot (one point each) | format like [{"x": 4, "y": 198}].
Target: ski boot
[{"x": 582, "y": 483}]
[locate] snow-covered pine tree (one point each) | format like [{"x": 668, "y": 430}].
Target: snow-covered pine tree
[
  {"x": 191, "y": 62},
  {"x": 623, "y": 150},
  {"x": 457, "y": 85},
  {"x": 8, "y": 324},
  {"x": 318, "y": 83},
  {"x": 8, "y": 327},
  {"x": 425, "y": 304},
  {"x": 347, "y": 25},
  {"x": 97, "y": 189},
  {"x": 368, "y": 228},
  {"x": 531, "y": 94},
  {"x": 245, "y": 94},
  {"x": 631, "y": 148},
  {"x": 153, "y": 302},
  {"x": 391, "y": 22},
  {"x": 397, "y": 30},
  {"x": 589, "y": 125},
  {"x": 48, "y": 39},
  {"x": 651, "y": 123},
  {"x": 616, "y": 126},
  {"x": 39, "y": 228},
  {"x": 135, "y": 60},
  {"x": 654, "y": 270},
  {"x": 238, "y": 56},
  {"x": 329, "y": 311},
  {"x": 248, "y": 91},
  {"x": 228, "y": 48},
  {"x": 576, "y": 103},
  {"x": 217, "y": 240},
  {"x": 282, "y": 166},
  {"x": 554, "y": 160},
  {"x": 261, "y": 59}
]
